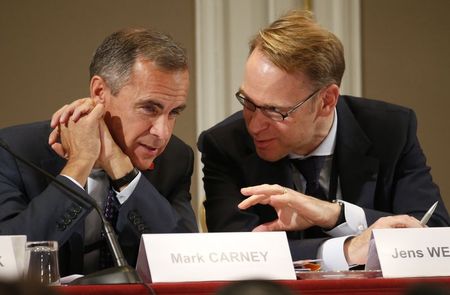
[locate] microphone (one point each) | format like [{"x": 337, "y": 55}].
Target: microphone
[{"x": 122, "y": 273}]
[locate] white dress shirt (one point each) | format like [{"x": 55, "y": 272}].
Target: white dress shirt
[
  {"x": 97, "y": 187},
  {"x": 332, "y": 251}
]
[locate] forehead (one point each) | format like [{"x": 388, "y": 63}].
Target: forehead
[
  {"x": 146, "y": 71},
  {"x": 149, "y": 82},
  {"x": 266, "y": 83}
]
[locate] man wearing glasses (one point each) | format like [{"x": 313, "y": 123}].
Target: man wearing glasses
[{"x": 345, "y": 164}]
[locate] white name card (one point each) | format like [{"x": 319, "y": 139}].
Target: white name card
[
  {"x": 12, "y": 257},
  {"x": 412, "y": 252},
  {"x": 214, "y": 257}
]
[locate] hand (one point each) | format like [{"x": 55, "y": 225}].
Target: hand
[
  {"x": 81, "y": 142},
  {"x": 295, "y": 210},
  {"x": 73, "y": 111},
  {"x": 111, "y": 158},
  {"x": 356, "y": 249}
]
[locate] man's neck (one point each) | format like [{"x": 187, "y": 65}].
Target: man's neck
[{"x": 324, "y": 141}]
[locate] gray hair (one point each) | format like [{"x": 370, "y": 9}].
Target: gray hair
[{"x": 115, "y": 57}]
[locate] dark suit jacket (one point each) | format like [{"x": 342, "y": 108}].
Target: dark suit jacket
[
  {"x": 31, "y": 204},
  {"x": 380, "y": 165}
]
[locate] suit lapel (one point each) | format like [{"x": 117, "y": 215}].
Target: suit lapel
[
  {"x": 257, "y": 171},
  {"x": 357, "y": 170}
]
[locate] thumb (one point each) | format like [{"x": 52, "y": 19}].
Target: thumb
[
  {"x": 98, "y": 111},
  {"x": 58, "y": 148},
  {"x": 268, "y": 226},
  {"x": 53, "y": 137}
]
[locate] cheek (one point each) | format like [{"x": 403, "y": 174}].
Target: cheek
[
  {"x": 134, "y": 130},
  {"x": 247, "y": 116}
]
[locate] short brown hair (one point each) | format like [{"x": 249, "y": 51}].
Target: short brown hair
[
  {"x": 296, "y": 43},
  {"x": 116, "y": 56}
]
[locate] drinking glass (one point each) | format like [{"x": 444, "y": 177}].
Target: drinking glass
[{"x": 42, "y": 257}]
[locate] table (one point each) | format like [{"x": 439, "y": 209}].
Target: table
[{"x": 304, "y": 287}]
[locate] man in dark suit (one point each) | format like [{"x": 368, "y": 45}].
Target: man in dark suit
[
  {"x": 116, "y": 147},
  {"x": 320, "y": 165}
]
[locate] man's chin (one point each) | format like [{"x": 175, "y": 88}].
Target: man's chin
[
  {"x": 143, "y": 164},
  {"x": 268, "y": 156}
]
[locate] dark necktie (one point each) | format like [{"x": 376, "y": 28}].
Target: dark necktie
[
  {"x": 310, "y": 169},
  {"x": 110, "y": 211}
]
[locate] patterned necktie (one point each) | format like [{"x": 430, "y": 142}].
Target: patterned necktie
[
  {"x": 110, "y": 211},
  {"x": 310, "y": 169}
]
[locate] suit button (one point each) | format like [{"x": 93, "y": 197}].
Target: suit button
[
  {"x": 137, "y": 221},
  {"x": 141, "y": 227},
  {"x": 74, "y": 211},
  {"x": 132, "y": 215},
  {"x": 60, "y": 226},
  {"x": 72, "y": 214}
]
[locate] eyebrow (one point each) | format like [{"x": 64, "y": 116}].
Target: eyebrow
[
  {"x": 180, "y": 108},
  {"x": 160, "y": 105},
  {"x": 150, "y": 102},
  {"x": 269, "y": 106}
]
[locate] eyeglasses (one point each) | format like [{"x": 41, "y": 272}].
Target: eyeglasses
[{"x": 271, "y": 111}]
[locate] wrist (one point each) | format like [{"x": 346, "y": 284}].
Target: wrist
[
  {"x": 347, "y": 250},
  {"x": 341, "y": 218},
  {"x": 78, "y": 169},
  {"x": 337, "y": 215},
  {"x": 117, "y": 167},
  {"x": 123, "y": 181}
]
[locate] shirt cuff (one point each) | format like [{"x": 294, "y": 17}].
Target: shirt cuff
[
  {"x": 123, "y": 195},
  {"x": 355, "y": 222},
  {"x": 332, "y": 254},
  {"x": 73, "y": 180}
]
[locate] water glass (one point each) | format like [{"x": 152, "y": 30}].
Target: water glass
[{"x": 42, "y": 257}]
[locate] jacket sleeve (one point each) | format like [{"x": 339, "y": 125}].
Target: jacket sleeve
[
  {"x": 407, "y": 183},
  {"x": 30, "y": 207}
]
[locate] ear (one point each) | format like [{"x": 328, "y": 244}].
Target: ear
[
  {"x": 99, "y": 90},
  {"x": 329, "y": 99}
]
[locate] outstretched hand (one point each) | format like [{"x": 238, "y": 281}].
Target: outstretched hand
[{"x": 295, "y": 210}]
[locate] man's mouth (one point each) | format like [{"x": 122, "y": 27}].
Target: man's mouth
[
  {"x": 262, "y": 143},
  {"x": 149, "y": 149}
]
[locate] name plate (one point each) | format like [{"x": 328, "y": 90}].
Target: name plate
[
  {"x": 412, "y": 252},
  {"x": 214, "y": 257},
  {"x": 12, "y": 257}
]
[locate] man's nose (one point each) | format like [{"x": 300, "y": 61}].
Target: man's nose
[
  {"x": 257, "y": 121},
  {"x": 160, "y": 127}
]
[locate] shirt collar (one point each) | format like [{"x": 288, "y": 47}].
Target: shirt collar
[
  {"x": 96, "y": 173},
  {"x": 326, "y": 147}
]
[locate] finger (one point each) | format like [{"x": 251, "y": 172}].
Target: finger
[
  {"x": 53, "y": 137},
  {"x": 269, "y": 189},
  {"x": 58, "y": 148},
  {"x": 68, "y": 111},
  {"x": 253, "y": 200},
  {"x": 269, "y": 226},
  {"x": 98, "y": 111},
  {"x": 280, "y": 200},
  {"x": 397, "y": 221},
  {"x": 57, "y": 115},
  {"x": 82, "y": 109},
  {"x": 65, "y": 115}
]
